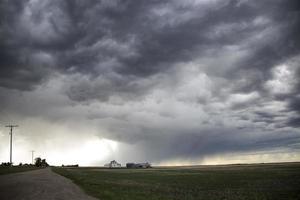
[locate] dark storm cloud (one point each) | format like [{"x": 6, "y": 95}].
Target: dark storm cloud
[
  {"x": 92, "y": 34},
  {"x": 24, "y": 61},
  {"x": 187, "y": 78},
  {"x": 294, "y": 122},
  {"x": 294, "y": 98}
]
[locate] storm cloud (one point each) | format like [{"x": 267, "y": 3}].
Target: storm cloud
[{"x": 166, "y": 80}]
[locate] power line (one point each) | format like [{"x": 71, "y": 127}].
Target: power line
[{"x": 11, "y": 133}]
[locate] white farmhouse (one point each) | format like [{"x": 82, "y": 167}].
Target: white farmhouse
[{"x": 113, "y": 164}]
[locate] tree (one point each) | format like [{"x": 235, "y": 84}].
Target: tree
[
  {"x": 44, "y": 163},
  {"x": 38, "y": 162}
]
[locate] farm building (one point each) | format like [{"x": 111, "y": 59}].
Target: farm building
[
  {"x": 113, "y": 164},
  {"x": 138, "y": 165}
]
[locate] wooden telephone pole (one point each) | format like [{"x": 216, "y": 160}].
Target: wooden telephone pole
[{"x": 11, "y": 133}]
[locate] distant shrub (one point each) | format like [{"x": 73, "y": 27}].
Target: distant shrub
[{"x": 6, "y": 164}]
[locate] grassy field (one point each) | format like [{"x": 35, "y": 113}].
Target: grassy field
[
  {"x": 14, "y": 169},
  {"x": 259, "y": 181}
]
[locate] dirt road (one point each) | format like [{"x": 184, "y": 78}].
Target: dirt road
[{"x": 40, "y": 184}]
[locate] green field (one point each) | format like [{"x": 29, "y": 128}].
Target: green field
[
  {"x": 14, "y": 169},
  {"x": 259, "y": 181}
]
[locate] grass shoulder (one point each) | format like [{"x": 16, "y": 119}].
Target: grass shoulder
[{"x": 15, "y": 169}]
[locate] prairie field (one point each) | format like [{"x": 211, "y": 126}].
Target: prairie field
[{"x": 252, "y": 181}]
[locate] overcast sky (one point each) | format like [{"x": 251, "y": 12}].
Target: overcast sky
[{"x": 169, "y": 82}]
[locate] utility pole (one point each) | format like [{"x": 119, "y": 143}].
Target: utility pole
[
  {"x": 32, "y": 152},
  {"x": 11, "y": 133}
]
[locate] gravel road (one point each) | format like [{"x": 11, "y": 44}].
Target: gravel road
[{"x": 40, "y": 184}]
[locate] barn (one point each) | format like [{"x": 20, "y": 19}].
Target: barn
[{"x": 113, "y": 164}]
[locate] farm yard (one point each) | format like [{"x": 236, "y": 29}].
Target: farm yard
[{"x": 253, "y": 181}]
